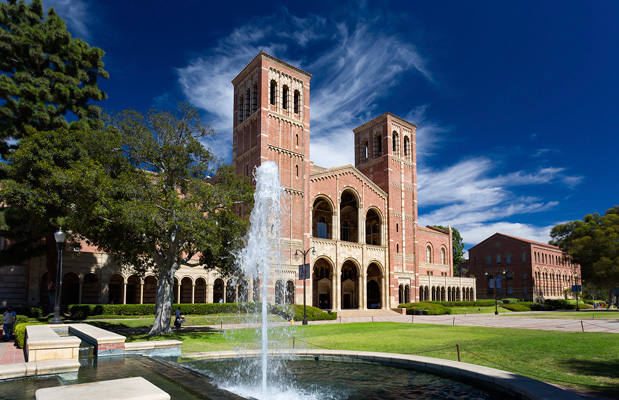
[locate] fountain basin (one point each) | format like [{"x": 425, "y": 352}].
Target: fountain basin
[{"x": 495, "y": 380}]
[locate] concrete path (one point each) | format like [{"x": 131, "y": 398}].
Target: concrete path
[{"x": 492, "y": 321}]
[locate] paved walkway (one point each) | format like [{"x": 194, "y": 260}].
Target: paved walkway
[
  {"x": 9, "y": 353},
  {"x": 493, "y": 321}
]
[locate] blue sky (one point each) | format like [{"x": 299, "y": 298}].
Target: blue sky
[{"x": 517, "y": 103}]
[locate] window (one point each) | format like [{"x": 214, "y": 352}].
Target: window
[
  {"x": 509, "y": 276},
  {"x": 297, "y": 168},
  {"x": 396, "y": 144},
  {"x": 428, "y": 254},
  {"x": 407, "y": 147},
  {"x": 273, "y": 91},
  {"x": 247, "y": 108},
  {"x": 378, "y": 145},
  {"x": 524, "y": 289},
  {"x": 240, "y": 108},
  {"x": 524, "y": 276},
  {"x": 322, "y": 227},
  {"x": 346, "y": 231},
  {"x": 524, "y": 257},
  {"x": 285, "y": 97},
  {"x": 297, "y": 139},
  {"x": 508, "y": 258},
  {"x": 397, "y": 227},
  {"x": 254, "y": 98},
  {"x": 488, "y": 260},
  {"x": 397, "y": 247},
  {"x": 510, "y": 290},
  {"x": 474, "y": 261},
  {"x": 443, "y": 256},
  {"x": 498, "y": 259},
  {"x": 297, "y": 95}
]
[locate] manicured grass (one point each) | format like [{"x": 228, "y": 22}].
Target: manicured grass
[
  {"x": 477, "y": 310},
  {"x": 190, "y": 320},
  {"x": 577, "y": 315},
  {"x": 587, "y": 361}
]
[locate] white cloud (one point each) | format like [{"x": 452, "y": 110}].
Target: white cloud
[
  {"x": 475, "y": 233},
  {"x": 358, "y": 64},
  {"x": 75, "y": 14}
]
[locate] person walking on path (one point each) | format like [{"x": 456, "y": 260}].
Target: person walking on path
[
  {"x": 178, "y": 320},
  {"x": 8, "y": 319}
]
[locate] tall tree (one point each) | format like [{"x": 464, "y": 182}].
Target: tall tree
[
  {"x": 164, "y": 211},
  {"x": 593, "y": 242},
  {"x": 48, "y": 80},
  {"x": 457, "y": 245},
  {"x": 47, "y": 77}
]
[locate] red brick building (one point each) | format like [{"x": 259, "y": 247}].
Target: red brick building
[
  {"x": 361, "y": 219},
  {"x": 521, "y": 268}
]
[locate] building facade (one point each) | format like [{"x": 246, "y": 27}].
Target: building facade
[
  {"x": 507, "y": 266},
  {"x": 361, "y": 219}
]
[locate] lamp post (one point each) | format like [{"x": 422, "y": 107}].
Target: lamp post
[
  {"x": 60, "y": 236},
  {"x": 296, "y": 257}
]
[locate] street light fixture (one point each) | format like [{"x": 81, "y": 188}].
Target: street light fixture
[
  {"x": 60, "y": 237},
  {"x": 296, "y": 257},
  {"x": 496, "y": 304}
]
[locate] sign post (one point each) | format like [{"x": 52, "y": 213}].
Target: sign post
[{"x": 576, "y": 289}]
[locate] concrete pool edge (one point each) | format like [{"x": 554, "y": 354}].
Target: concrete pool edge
[{"x": 520, "y": 386}]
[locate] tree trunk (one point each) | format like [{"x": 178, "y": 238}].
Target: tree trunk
[{"x": 165, "y": 291}]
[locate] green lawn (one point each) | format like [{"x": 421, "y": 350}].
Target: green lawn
[
  {"x": 477, "y": 310},
  {"x": 190, "y": 320},
  {"x": 587, "y": 361}
]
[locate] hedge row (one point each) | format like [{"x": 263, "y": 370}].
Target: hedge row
[
  {"x": 20, "y": 332},
  {"x": 295, "y": 312},
  {"x": 433, "y": 308},
  {"x": 516, "y": 307},
  {"x": 478, "y": 303},
  {"x": 31, "y": 312},
  {"x": 510, "y": 301},
  {"x": 82, "y": 311},
  {"x": 563, "y": 304}
]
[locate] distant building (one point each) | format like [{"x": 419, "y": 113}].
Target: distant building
[{"x": 521, "y": 268}]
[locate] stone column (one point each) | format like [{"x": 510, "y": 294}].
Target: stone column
[
  {"x": 209, "y": 293},
  {"x": 338, "y": 291},
  {"x": 125, "y": 291},
  {"x": 225, "y": 296},
  {"x": 193, "y": 292},
  {"x": 364, "y": 283},
  {"x": 178, "y": 292},
  {"x": 250, "y": 290},
  {"x": 360, "y": 295},
  {"x": 81, "y": 286},
  {"x": 333, "y": 293},
  {"x": 141, "y": 291}
]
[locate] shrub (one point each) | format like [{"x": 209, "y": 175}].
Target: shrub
[
  {"x": 20, "y": 332},
  {"x": 516, "y": 307},
  {"x": 32, "y": 312},
  {"x": 564, "y": 304},
  {"x": 537, "y": 306},
  {"x": 477, "y": 303},
  {"x": 295, "y": 312},
  {"x": 433, "y": 308},
  {"x": 510, "y": 301}
]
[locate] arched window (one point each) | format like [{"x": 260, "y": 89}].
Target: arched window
[
  {"x": 322, "y": 227},
  {"x": 397, "y": 227},
  {"x": 254, "y": 98},
  {"x": 297, "y": 139},
  {"x": 285, "y": 97},
  {"x": 397, "y": 247},
  {"x": 297, "y": 97},
  {"x": 498, "y": 259},
  {"x": 443, "y": 256},
  {"x": 407, "y": 147},
  {"x": 378, "y": 145},
  {"x": 273, "y": 91},
  {"x": 428, "y": 254},
  {"x": 240, "y": 108},
  {"x": 297, "y": 168},
  {"x": 247, "y": 108},
  {"x": 508, "y": 258},
  {"x": 396, "y": 144}
]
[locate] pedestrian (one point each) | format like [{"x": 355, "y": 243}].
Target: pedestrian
[
  {"x": 221, "y": 300},
  {"x": 8, "y": 319},
  {"x": 177, "y": 320}
]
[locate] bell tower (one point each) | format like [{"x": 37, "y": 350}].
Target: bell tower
[{"x": 272, "y": 123}]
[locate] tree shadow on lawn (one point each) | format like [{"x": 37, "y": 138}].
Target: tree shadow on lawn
[
  {"x": 175, "y": 335},
  {"x": 606, "y": 369}
]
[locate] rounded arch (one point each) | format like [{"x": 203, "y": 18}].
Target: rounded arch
[
  {"x": 322, "y": 217},
  {"x": 150, "y": 289},
  {"x": 218, "y": 290},
  {"x": 407, "y": 147},
  {"x": 90, "y": 289},
  {"x": 374, "y": 283},
  {"x": 350, "y": 283},
  {"x": 443, "y": 255},
  {"x": 395, "y": 139},
  {"x": 429, "y": 253},
  {"x": 231, "y": 295},
  {"x": 373, "y": 227},
  {"x": 115, "y": 289},
  {"x": 70, "y": 289},
  {"x": 349, "y": 215},
  {"x": 200, "y": 290},
  {"x": 132, "y": 295},
  {"x": 323, "y": 272},
  {"x": 290, "y": 290}
]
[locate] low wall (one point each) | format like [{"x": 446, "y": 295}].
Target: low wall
[{"x": 42, "y": 343}]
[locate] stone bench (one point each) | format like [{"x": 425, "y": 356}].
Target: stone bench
[
  {"x": 66, "y": 369},
  {"x": 42, "y": 343},
  {"x": 106, "y": 343},
  {"x": 136, "y": 388}
]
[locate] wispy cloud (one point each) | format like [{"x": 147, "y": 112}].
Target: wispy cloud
[
  {"x": 75, "y": 14},
  {"x": 358, "y": 64}
]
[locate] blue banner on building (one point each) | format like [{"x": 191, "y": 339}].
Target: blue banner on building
[{"x": 304, "y": 273}]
